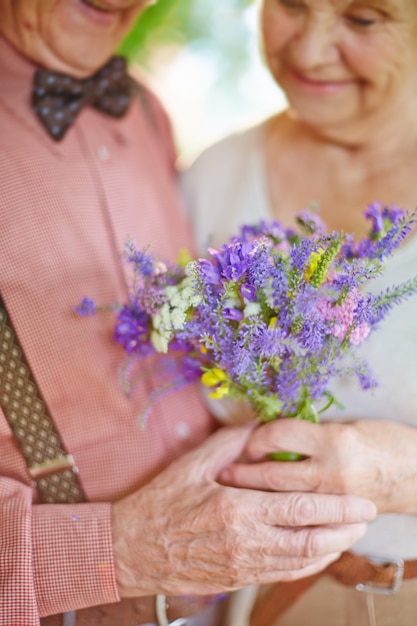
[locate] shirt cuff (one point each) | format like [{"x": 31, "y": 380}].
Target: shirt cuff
[{"x": 73, "y": 561}]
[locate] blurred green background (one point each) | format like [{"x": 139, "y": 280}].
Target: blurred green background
[
  {"x": 184, "y": 22},
  {"x": 202, "y": 58}
]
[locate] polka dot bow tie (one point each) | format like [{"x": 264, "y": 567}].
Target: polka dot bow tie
[{"x": 57, "y": 99}]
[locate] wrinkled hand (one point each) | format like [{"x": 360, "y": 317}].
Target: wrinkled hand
[
  {"x": 373, "y": 459},
  {"x": 184, "y": 533}
]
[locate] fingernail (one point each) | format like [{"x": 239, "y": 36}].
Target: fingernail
[{"x": 368, "y": 511}]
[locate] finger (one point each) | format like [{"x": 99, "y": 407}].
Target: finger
[
  {"x": 294, "y": 563},
  {"x": 307, "y": 509},
  {"x": 286, "y": 435},
  {"x": 316, "y": 542},
  {"x": 304, "y": 475},
  {"x": 218, "y": 451},
  {"x": 287, "y": 574}
]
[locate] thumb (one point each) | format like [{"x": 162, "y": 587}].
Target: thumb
[{"x": 218, "y": 451}]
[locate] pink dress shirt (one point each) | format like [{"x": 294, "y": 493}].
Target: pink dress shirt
[{"x": 66, "y": 210}]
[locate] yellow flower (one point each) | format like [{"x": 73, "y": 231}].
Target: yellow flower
[
  {"x": 312, "y": 263},
  {"x": 184, "y": 257},
  {"x": 273, "y": 322},
  {"x": 213, "y": 377},
  {"x": 219, "y": 392}
]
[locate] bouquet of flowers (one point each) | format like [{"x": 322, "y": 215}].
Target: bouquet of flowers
[{"x": 271, "y": 317}]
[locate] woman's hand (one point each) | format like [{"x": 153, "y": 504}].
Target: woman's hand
[{"x": 373, "y": 459}]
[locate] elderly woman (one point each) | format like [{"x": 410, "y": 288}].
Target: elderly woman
[{"x": 347, "y": 138}]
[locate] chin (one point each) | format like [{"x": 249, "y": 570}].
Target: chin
[
  {"x": 87, "y": 37},
  {"x": 83, "y": 64},
  {"x": 323, "y": 115}
]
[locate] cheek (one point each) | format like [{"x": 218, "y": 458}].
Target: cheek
[
  {"x": 388, "y": 57},
  {"x": 382, "y": 64}
]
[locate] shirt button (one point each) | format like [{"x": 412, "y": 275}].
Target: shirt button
[
  {"x": 103, "y": 154},
  {"x": 182, "y": 430}
]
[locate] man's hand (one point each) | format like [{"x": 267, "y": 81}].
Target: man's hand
[
  {"x": 370, "y": 458},
  {"x": 184, "y": 533}
]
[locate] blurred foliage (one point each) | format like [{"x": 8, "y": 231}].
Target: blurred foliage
[
  {"x": 209, "y": 49},
  {"x": 218, "y": 27}
]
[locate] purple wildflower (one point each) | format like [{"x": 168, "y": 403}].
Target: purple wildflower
[
  {"x": 209, "y": 272},
  {"x": 394, "y": 214},
  {"x": 143, "y": 262},
  {"x": 311, "y": 222},
  {"x": 287, "y": 385},
  {"x": 233, "y": 314},
  {"x": 233, "y": 259},
  {"x": 191, "y": 368},
  {"x": 257, "y": 272},
  {"x": 86, "y": 307},
  {"x": 131, "y": 330},
  {"x": 271, "y": 229},
  {"x": 248, "y": 292},
  {"x": 313, "y": 333},
  {"x": 374, "y": 213},
  {"x": 268, "y": 343}
]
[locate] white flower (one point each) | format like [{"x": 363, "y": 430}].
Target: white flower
[
  {"x": 157, "y": 320},
  {"x": 232, "y": 303},
  {"x": 252, "y": 308},
  {"x": 163, "y": 318},
  {"x": 177, "y": 318},
  {"x": 159, "y": 342}
]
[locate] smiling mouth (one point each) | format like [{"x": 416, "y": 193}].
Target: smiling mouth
[
  {"x": 99, "y": 6},
  {"x": 323, "y": 82},
  {"x": 105, "y": 8}
]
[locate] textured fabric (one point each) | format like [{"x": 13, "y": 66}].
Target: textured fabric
[
  {"x": 141, "y": 611},
  {"x": 58, "y": 99},
  {"x": 31, "y": 423},
  {"x": 66, "y": 210}
]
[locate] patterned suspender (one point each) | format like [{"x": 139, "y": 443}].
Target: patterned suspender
[{"x": 52, "y": 469}]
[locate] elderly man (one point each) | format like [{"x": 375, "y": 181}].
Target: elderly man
[{"x": 98, "y": 517}]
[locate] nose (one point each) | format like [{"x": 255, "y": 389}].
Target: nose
[{"x": 315, "y": 43}]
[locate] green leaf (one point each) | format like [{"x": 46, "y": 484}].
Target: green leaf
[{"x": 267, "y": 408}]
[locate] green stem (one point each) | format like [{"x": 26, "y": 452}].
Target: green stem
[
  {"x": 305, "y": 411},
  {"x": 286, "y": 456}
]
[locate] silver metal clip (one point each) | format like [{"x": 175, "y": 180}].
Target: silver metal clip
[
  {"x": 396, "y": 581},
  {"x": 161, "y": 613}
]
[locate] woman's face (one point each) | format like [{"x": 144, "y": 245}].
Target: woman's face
[
  {"x": 71, "y": 36},
  {"x": 342, "y": 61}
]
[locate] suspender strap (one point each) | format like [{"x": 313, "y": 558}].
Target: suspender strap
[{"x": 52, "y": 469}]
